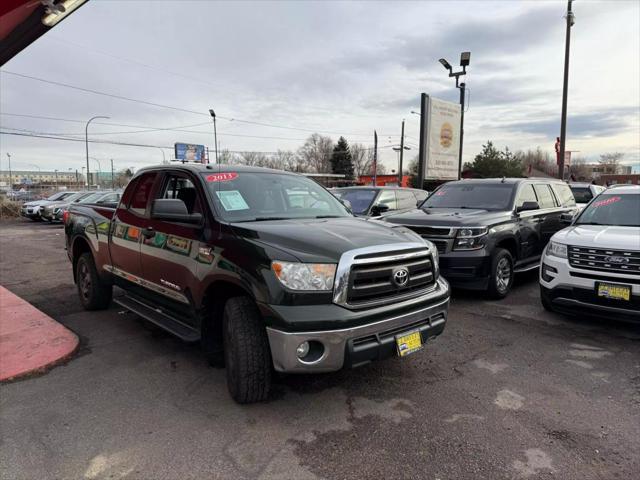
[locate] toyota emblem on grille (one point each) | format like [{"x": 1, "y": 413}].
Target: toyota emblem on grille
[
  {"x": 616, "y": 259},
  {"x": 400, "y": 277}
]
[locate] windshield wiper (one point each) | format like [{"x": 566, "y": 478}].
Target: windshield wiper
[{"x": 328, "y": 216}]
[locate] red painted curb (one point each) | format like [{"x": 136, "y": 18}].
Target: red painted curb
[{"x": 30, "y": 341}]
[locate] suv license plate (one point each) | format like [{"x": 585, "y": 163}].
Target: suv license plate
[
  {"x": 614, "y": 291},
  {"x": 409, "y": 343}
]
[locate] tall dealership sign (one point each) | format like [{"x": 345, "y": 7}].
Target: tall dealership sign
[{"x": 439, "y": 139}]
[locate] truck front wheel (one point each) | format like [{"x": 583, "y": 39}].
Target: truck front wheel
[
  {"x": 246, "y": 351},
  {"x": 502, "y": 274},
  {"x": 94, "y": 293}
]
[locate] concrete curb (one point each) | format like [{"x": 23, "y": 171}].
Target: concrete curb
[{"x": 31, "y": 342}]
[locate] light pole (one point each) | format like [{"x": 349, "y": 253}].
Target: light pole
[
  {"x": 400, "y": 150},
  {"x": 565, "y": 87},
  {"x": 112, "y": 178},
  {"x": 83, "y": 168},
  {"x": 465, "y": 58},
  {"x": 86, "y": 143},
  {"x": 215, "y": 132},
  {"x": 164, "y": 159},
  {"x": 416, "y": 113},
  {"x": 56, "y": 172},
  {"x": 10, "y": 177},
  {"x": 99, "y": 169}
]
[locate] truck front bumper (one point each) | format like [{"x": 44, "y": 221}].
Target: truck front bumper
[
  {"x": 574, "y": 291},
  {"x": 361, "y": 344}
]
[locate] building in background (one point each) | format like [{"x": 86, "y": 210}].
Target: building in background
[
  {"x": 615, "y": 179},
  {"x": 383, "y": 180}
]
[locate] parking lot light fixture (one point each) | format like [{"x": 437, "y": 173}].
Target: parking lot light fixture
[
  {"x": 86, "y": 142},
  {"x": 465, "y": 60}
]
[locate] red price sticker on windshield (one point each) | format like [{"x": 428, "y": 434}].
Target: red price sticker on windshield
[
  {"x": 604, "y": 203},
  {"x": 222, "y": 177}
]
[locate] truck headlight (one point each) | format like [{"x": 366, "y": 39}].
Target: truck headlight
[
  {"x": 557, "y": 250},
  {"x": 470, "y": 238},
  {"x": 305, "y": 276}
]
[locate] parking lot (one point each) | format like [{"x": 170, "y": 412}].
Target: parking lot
[{"x": 508, "y": 391}]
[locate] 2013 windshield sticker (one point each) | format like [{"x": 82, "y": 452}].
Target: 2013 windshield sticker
[
  {"x": 222, "y": 177},
  {"x": 232, "y": 200},
  {"x": 608, "y": 201}
]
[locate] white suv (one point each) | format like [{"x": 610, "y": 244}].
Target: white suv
[{"x": 593, "y": 266}]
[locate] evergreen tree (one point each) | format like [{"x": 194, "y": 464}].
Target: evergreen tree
[
  {"x": 492, "y": 163},
  {"x": 341, "y": 161}
]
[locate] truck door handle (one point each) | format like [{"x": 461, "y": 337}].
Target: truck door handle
[{"x": 148, "y": 232}]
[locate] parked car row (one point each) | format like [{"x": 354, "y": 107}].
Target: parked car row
[
  {"x": 52, "y": 208},
  {"x": 269, "y": 271}
]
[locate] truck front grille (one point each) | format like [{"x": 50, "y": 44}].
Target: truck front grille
[
  {"x": 604, "y": 260},
  {"x": 371, "y": 279}
]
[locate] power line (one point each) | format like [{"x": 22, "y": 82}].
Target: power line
[
  {"x": 27, "y": 133},
  {"x": 159, "y": 105}
]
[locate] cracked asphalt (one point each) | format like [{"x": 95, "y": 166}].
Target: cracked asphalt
[{"x": 508, "y": 391}]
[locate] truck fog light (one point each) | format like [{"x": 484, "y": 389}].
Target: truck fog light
[
  {"x": 546, "y": 271},
  {"x": 302, "y": 350}
]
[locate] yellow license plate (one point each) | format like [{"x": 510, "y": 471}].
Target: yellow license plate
[
  {"x": 408, "y": 343},
  {"x": 616, "y": 292}
]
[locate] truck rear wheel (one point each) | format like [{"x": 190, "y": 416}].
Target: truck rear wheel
[
  {"x": 246, "y": 351},
  {"x": 94, "y": 293},
  {"x": 502, "y": 274}
]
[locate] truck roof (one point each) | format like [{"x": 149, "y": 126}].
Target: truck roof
[{"x": 510, "y": 181}]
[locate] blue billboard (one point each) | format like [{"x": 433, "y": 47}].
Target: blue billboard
[{"x": 189, "y": 152}]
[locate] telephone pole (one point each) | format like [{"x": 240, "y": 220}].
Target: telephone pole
[
  {"x": 401, "y": 155},
  {"x": 113, "y": 183},
  {"x": 565, "y": 86},
  {"x": 375, "y": 158}
]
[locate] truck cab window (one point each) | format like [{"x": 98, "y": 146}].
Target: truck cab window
[
  {"x": 182, "y": 188},
  {"x": 141, "y": 194},
  {"x": 526, "y": 194},
  {"x": 388, "y": 197},
  {"x": 545, "y": 197}
]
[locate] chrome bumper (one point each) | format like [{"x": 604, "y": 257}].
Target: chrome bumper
[{"x": 284, "y": 344}]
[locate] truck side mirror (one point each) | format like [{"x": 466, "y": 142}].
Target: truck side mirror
[
  {"x": 379, "y": 208},
  {"x": 527, "y": 206},
  {"x": 567, "y": 218},
  {"x": 173, "y": 210}
]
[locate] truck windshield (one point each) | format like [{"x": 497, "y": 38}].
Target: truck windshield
[
  {"x": 471, "y": 195},
  {"x": 360, "y": 199},
  {"x": 257, "y": 196},
  {"x": 612, "y": 209},
  {"x": 582, "y": 194}
]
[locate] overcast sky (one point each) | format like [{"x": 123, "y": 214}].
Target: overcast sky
[{"x": 333, "y": 67}]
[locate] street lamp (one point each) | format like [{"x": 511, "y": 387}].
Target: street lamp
[
  {"x": 416, "y": 113},
  {"x": 10, "y": 177},
  {"x": 465, "y": 59},
  {"x": 86, "y": 143},
  {"x": 215, "y": 132},
  {"x": 56, "y": 172},
  {"x": 400, "y": 150}
]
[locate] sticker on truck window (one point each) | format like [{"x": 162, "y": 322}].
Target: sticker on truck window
[
  {"x": 232, "y": 200},
  {"x": 608, "y": 201},
  {"x": 222, "y": 177}
]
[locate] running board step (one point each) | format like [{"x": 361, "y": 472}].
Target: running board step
[
  {"x": 526, "y": 268},
  {"x": 159, "y": 318}
]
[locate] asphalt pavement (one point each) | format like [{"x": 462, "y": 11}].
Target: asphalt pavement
[{"x": 508, "y": 391}]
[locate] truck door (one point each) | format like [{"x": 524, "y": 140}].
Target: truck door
[
  {"x": 130, "y": 218},
  {"x": 528, "y": 227},
  {"x": 549, "y": 214},
  {"x": 170, "y": 251}
]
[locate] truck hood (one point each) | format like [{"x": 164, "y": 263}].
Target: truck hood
[
  {"x": 449, "y": 217},
  {"x": 323, "y": 240},
  {"x": 600, "y": 236},
  {"x": 36, "y": 203}
]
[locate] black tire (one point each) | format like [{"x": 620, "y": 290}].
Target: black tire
[
  {"x": 246, "y": 351},
  {"x": 94, "y": 293},
  {"x": 502, "y": 274},
  {"x": 544, "y": 299}
]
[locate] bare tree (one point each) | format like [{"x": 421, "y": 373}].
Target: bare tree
[
  {"x": 226, "y": 157},
  {"x": 610, "y": 162},
  {"x": 538, "y": 160},
  {"x": 316, "y": 153},
  {"x": 287, "y": 160},
  {"x": 579, "y": 170},
  {"x": 253, "y": 159},
  {"x": 362, "y": 158}
]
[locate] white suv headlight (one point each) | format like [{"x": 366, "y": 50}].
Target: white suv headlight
[
  {"x": 557, "y": 249},
  {"x": 305, "y": 276}
]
